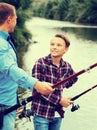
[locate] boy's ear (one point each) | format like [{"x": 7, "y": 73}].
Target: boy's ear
[{"x": 66, "y": 49}]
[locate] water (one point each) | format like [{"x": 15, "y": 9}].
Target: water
[{"x": 82, "y": 53}]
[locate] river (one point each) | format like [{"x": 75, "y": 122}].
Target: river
[{"x": 82, "y": 53}]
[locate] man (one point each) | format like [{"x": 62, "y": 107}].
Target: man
[
  {"x": 52, "y": 68},
  {"x": 11, "y": 76}
]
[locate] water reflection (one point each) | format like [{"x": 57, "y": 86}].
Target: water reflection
[{"x": 84, "y": 33}]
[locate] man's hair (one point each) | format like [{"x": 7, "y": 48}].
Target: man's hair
[
  {"x": 5, "y": 11},
  {"x": 66, "y": 40}
]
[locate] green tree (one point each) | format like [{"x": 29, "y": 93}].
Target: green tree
[
  {"x": 74, "y": 10},
  {"x": 82, "y": 11},
  {"x": 50, "y": 9},
  {"x": 90, "y": 12},
  {"x": 63, "y": 9}
]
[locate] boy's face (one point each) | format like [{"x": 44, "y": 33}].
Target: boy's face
[{"x": 58, "y": 47}]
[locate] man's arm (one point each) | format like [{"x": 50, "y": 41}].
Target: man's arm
[{"x": 10, "y": 69}]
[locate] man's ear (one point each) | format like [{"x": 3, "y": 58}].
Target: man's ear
[{"x": 8, "y": 19}]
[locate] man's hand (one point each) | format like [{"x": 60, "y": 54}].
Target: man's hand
[
  {"x": 65, "y": 102},
  {"x": 44, "y": 87}
]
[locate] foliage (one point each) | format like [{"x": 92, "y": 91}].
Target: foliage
[
  {"x": 90, "y": 13},
  {"x": 63, "y": 9},
  {"x": 82, "y": 11}
]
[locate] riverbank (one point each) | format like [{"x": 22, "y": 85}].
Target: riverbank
[{"x": 56, "y": 23}]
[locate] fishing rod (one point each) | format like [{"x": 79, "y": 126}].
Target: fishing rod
[
  {"x": 20, "y": 104},
  {"x": 75, "y": 75},
  {"x": 76, "y": 107},
  {"x": 61, "y": 112},
  {"x": 27, "y": 113},
  {"x": 29, "y": 99}
]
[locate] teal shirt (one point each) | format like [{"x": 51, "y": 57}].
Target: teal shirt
[{"x": 11, "y": 76}]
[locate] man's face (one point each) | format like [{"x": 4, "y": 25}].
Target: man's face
[
  {"x": 12, "y": 22},
  {"x": 57, "y": 47}
]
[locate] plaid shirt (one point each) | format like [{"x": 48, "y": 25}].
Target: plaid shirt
[{"x": 45, "y": 70}]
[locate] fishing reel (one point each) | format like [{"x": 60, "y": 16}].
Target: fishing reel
[
  {"x": 74, "y": 107},
  {"x": 26, "y": 113}
]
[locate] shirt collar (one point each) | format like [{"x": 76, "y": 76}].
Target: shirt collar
[
  {"x": 51, "y": 62},
  {"x": 4, "y": 35}
]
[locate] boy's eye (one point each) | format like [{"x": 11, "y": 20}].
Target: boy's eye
[
  {"x": 58, "y": 44},
  {"x": 52, "y": 44}
]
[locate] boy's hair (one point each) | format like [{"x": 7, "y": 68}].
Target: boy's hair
[
  {"x": 5, "y": 11},
  {"x": 64, "y": 38}
]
